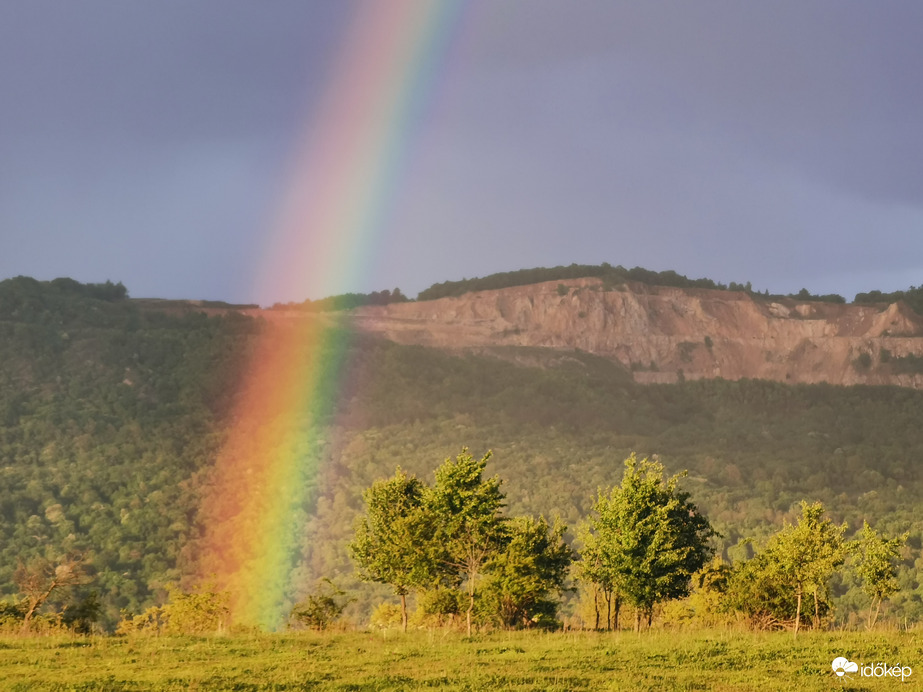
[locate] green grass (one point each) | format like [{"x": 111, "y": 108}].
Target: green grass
[{"x": 711, "y": 660}]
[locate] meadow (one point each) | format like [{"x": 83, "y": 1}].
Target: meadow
[{"x": 721, "y": 660}]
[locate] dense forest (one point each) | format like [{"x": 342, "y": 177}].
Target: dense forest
[
  {"x": 913, "y": 296},
  {"x": 111, "y": 412}
]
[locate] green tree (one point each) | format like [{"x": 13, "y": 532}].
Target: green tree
[
  {"x": 756, "y": 588},
  {"x": 81, "y": 616},
  {"x": 875, "y": 565},
  {"x": 470, "y": 528},
  {"x": 807, "y": 555},
  {"x": 593, "y": 570},
  {"x": 527, "y": 576},
  {"x": 393, "y": 542},
  {"x": 651, "y": 537}
]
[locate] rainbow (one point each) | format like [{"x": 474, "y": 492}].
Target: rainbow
[{"x": 259, "y": 494}]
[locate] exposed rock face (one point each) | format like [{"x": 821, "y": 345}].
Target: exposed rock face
[{"x": 663, "y": 333}]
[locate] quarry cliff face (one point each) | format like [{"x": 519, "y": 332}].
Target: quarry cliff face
[{"x": 663, "y": 334}]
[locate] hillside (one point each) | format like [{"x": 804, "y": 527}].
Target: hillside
[
  {"x": 664, "y": 334},
  {"x": 112, "y": 412}
]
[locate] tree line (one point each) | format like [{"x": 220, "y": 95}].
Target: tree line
[
  {"x": 345, "y": 301},
  {"x": 610, "y": 275},
  {"x": 645, "y": 543},
  {"x": 615, "y": 275}
]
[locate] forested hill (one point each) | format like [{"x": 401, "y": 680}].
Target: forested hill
[
  {"x": 107, "y": 410},
  {"x": 610, "y": 275},
  {"x": 614, "y": 276},
  {"x": 111, "y": 414}
]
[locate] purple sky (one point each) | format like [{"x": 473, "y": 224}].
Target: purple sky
[{"x": 779, "y": 143}]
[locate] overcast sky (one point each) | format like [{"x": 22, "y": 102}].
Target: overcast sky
[{"x": 779, "y": 143}]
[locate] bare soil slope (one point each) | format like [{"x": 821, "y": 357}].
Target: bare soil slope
[{"x": 662, "y": 334}]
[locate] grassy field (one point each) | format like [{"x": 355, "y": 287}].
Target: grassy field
[{"x": 714, "y": 660}]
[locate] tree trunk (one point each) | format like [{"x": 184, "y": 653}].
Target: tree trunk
[
  {"x": 27, "y": 618},
  {"x": 650, "y": 616},
  {"x": 798, "y": 613},
  {"x": 596, "y": 606},
  {"x": 816, "y": 611},
  {"x": 470, "y": 609},
  {"x": 873, "y": 620},
  {"x": 618, "y": 607},
  {"x": 608, "y": 611},
  {"x": 34, "y": 604},
  {"x": 404, "y": 612},
  {"x": 637, "y": 620}
]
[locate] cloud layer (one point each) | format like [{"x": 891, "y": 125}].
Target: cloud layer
[{"x": 777, "y": 143}]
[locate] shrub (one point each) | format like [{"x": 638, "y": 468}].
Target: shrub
[
  {"x": 151, "y": 621},
  {"x": 440, "y": 607},
  {"x": 321, "y": 608},
  {"x": 386, "y": 616},
  {"x": 200, "y": 612}
]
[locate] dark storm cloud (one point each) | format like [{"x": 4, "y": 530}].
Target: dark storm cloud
[
  {"x": 774, "y": 142},
  {"x": 143, "y": 141},
  {"x": 164, "y": 71},
  {"x": 831, "y": 86},
  {"x": 768, "y": 141}
]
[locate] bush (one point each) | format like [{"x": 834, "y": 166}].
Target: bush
[
  {"x": 321, "y": 608},
  {"x": 151, "y": 621},
  {"x": 440, "y": 607},
  {"x": 11, "y": 615},
  {"x": 386, "y": 616},
  {"x": 200, "y": 612}
]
